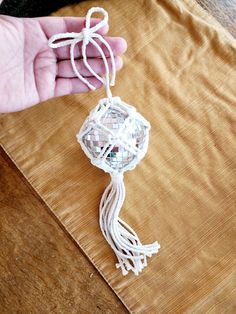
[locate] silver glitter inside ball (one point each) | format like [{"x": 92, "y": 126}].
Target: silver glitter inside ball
[{"x": 115, "y": 136}]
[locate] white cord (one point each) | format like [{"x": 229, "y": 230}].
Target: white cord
[
  {"x": 131, "y": 253},
  {"x": 86, "y": 36}
]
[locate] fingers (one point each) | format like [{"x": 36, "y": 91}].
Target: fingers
[
  {"x": 66, "y": 86},
  {"x": 65, "y": 69},
  {"x": 52, "y": 25},
  {"x": 118, "y": 46}
]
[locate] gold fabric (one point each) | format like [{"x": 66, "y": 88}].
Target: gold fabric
[{"x": 179, "y": 71}]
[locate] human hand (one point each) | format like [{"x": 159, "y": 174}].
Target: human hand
[{"x": 31, "y": 71}]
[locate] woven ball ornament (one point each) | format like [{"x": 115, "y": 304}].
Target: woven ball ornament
[{"x": 115, "y": 138}]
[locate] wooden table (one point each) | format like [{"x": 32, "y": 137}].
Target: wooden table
[{"x": 41, "y": 269}]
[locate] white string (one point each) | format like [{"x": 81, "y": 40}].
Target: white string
[
  {"x": 131, "y": 253},
  {"x": 87, "y": 36}
]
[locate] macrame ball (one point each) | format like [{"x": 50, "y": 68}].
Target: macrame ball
[{"x": 114, "y": 136}]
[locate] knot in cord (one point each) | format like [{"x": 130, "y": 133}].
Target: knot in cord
[
  {"x": 117, "y": 177},
  {"x": 86, "y": 36}
]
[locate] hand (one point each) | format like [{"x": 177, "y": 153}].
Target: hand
[{"x": 31, "y": 72}]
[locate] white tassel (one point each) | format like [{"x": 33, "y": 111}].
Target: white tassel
[{"x": 131, "y": 254}]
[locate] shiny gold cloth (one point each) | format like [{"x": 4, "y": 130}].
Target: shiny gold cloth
[{"x": 180, "y": 74}]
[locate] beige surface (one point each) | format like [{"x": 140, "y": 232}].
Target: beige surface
[{"x": 180, "y": 73}]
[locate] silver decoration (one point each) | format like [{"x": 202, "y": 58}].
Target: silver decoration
[{"x": 118, "y": 154}]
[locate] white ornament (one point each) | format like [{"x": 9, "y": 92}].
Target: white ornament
[{"x": 115, "y": 138}]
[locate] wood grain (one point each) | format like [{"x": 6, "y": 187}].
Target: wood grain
[
  {"x": 224, "y": 11},
  {"x": 41, "y": 268}
]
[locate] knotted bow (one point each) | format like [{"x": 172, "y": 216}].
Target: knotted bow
[{"x": 86, "y": 36}]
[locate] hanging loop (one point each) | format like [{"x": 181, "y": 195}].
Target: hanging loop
[{"x": 88, "y": 35}]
